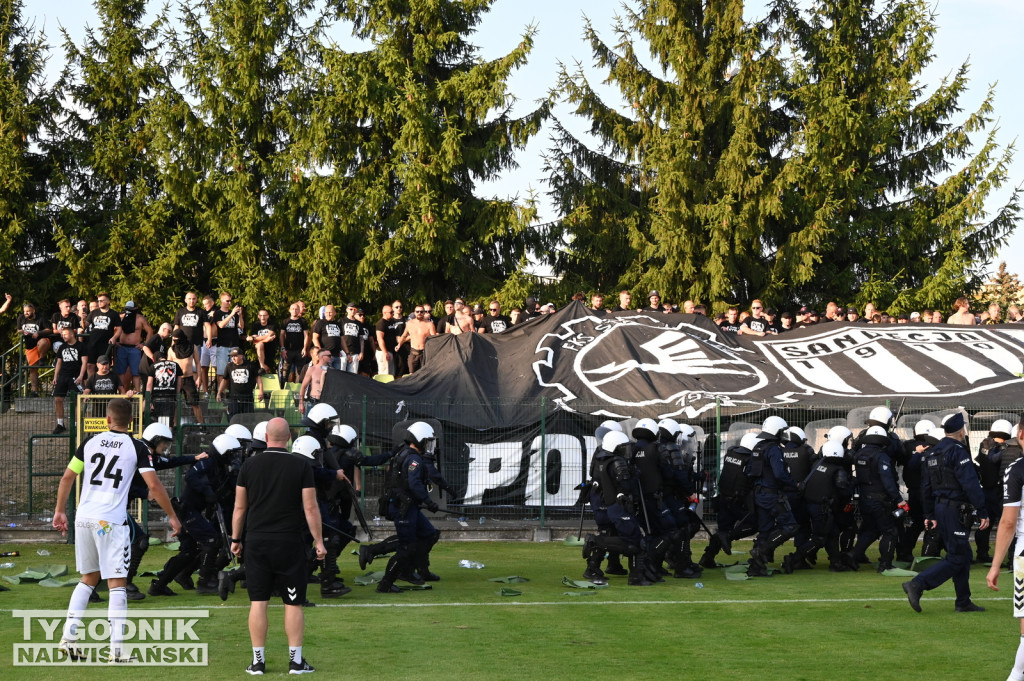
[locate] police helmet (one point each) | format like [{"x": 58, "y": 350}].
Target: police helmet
[
  {"x": 422, "y": 435},
  {"x": 832, "y": 450},
  {"x": 795, "y": 436},
  {"x": 935, "y": 435},
  {"x": 224, "y": 444},
  {"x": 1014, "y": 431},
  {"x": 668, "y": 429},
  {"x": 239, "y": 432},
  {"x": 155, "y": 433},
  {"x": 321, "y": 416},
  {"x": 749, "y": 441},
  {"x": 611, "y": 425},
  {"x": 1000, "y": 428},
  {"x": 613, "y": 441},
  {"x": 259, "y": 431},
  {"x": 922, "y": 428},
  {"x": 686, "y": 433},
  {"x": 772, "y": 428},
  {"x": 840, "y": 434},
  {"x": 875, "y": 435},
  {"x": 645, "y": 429},
  {"x": 880, "y": 416},
  {"x": 343, "y": 436},
  {"x": 307, "y": 446}
]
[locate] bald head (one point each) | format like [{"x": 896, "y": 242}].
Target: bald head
[{"x": 277, "y": 432}]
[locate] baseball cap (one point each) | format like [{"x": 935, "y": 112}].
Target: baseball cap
[
  {"x": 103, "y": 359},
  {"x": 851, "y": 310},
  {"x": 653, "y": 293},
  {"x": 235, "y": 352},
  {"x": 805, "y": 310},
  {"x": 915, "y": 315},
  {"x": 130, "y": 305},
  {"x": 478, "y": 309},
  {"x": 354, "y": 306}
]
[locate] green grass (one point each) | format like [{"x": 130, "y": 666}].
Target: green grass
[{"x": 812, "y": 625}]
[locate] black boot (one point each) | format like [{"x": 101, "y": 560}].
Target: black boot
[
  {"x": 330, "y": 585},
  {"x": 638, "y": 571},
  {"x": 593, "y": 555},
  {"x": 387, "y": 583},
  {"x": 138, "y": 551},
  {"x": 757, "y": 565},
  {"x": 615, "y": 565},
  {"x": 207, "y": 584},
  {"x": 367, "y": 552}
]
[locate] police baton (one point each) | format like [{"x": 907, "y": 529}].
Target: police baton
[
  {"x": 224, "y": 530},
  {"x": 643, "y": 505},
  {"x": 341, "y": 532},
  {"x": 583, "y": 508}
]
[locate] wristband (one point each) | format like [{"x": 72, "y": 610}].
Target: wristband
[{"x": 235, "y": 541}]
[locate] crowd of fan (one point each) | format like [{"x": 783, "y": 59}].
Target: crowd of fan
[{"x": 210, "y": 350}]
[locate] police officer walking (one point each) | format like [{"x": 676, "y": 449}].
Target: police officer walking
[
  {"x": 991, "y": 468},
  {"x": 826, "y": 486},
  {"x": 879, "y": 497},
  {"x": 951, "y": 489},
  {"x": 734, "y": 503}
]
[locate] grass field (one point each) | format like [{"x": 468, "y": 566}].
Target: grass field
[{"x": 812, "y": 625}]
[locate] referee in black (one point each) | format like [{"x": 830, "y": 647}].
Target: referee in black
[{"x": 277, "y": 489}]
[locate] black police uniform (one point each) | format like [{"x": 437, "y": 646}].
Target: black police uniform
[
  {"x": 912, "y": 473},
  {"x": 879, "y": 496},
  {"x": 775, "y": 520},
  {"x": 734, "y": 505},
  {"x": 619, "y": 491},
  {"x": 825, "y": 488},
  {"x": 406, "y": 493},
  {"x": 653, "y": 510},
  {"x": 800, "y": 458},
  {"x": 679, "y": 485},
  {"x": 605, "y": 527},
  {"x": 994, "y": 459},
  {"x": 951, "y": 489}
]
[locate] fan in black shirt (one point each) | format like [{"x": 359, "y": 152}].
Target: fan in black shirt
[{"x": 240, "y": 379}]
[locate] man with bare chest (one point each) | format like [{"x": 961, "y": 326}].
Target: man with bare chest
[
  {"x": 182, "y": 353},
  {"x": 313, "y": 381},
  {"x": 464, "y": 322},
  {"x": 128, "y": 338},
  {"x": 416, "y": 333}
]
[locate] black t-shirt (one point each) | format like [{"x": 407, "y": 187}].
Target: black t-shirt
[
  {"x": 70, "y": 357},
  {"x": 330, "y": 335},
  {"x": 619, "y": 308},
  {"x": 165, "y": 380},
  {"x": 760, "y": 325},
  {"x": 98, "y": 384},
  {"x": 208, "y": 319},
  {"x": 775, "y": 328},
  {"x": 192, "y": 322},
  {"x": 388, "y": 328},
  {"x": 368, "y": 337},
  {"x": 101, "y": 326},
  {"x": 441, "y": 326},
  {"x": 351, "y": 336},
  {"x": 227, "y": 335},
  {"x": 31, "y": 326},
  {"x": 242, "y": 380},
  {"x": 729, "y": 327},
  {"x": 268, "y": 329},
  {"x": 156, "y": 344},
  {"x": 294, "y": 341},
  {"x": 496, "y": 323},
  {"x": 72, "y": 321},
  {"x": 273, "y": 482}
]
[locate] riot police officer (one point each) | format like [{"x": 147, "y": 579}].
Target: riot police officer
[
  {"x": 406, "y": 493},
  {"x": 605, "y": 526},
  {"x": 327, "y": 479},
  {"x": 734, "y": 502},
  {"x": 879, "y": 497},
  {"x": 201, "y": 540},
  {"x": 990, "y": 472},
  {"x": 800, "y": 458},
  {"x": 157, "y": 437},
  {"x": 657, "y": 517},
  {"x": 951, "y": 489},
  {"x": 912, "y": 471},
  {"x": 827, "y": 486},
  {"x": 775, "y": 521},
  {"x": 617, "y": 484},
  {"x": 679, "y": 492}
]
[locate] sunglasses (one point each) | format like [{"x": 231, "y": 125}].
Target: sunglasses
[
  {"x": 417, "y": 311},
  {"x": 494, "y": 309}
]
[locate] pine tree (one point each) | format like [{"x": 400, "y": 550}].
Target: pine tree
[
  {"x": 117, "y": 230},
  {"x": 883, "y": 192},
  {"x": 1003, "y": 288},
  {"x": 419, "y": 121},
  {"x": 227, "y": 143},
  {"x": 674, "y": 197},
  {"x": 28, "y": 107}
]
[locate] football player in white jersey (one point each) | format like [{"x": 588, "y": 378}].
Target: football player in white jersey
[
  {"x": 107, "y": 462},
  {"x": 1011, "y": 525}
]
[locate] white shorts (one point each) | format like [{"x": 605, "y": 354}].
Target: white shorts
[
  {"x": 103, "y": 547},
  {"x": 1018, "y": 582}
]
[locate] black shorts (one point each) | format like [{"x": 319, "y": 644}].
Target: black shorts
[
  {"x": 276, "y": 564},
  {"x": 63, "y": 384},
  {"x": 96, "y": 350},
  {"x": 162, "y": 407},
  {"x": 294, "y": 358},
  {"x": 188, "y": 388}
]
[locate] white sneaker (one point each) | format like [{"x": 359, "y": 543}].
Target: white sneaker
[
  {"x": 121, "y": 658},
  {"x": 71, "y": 648}
]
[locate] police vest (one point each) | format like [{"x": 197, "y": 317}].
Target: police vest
[
  {"x": 1007, "y": 457},
  {"x": 645, "y": 459},
  {"x": 820, "y": 486},
  {"x": 671, "y": 456},
  {"x": 798, "y": 461},
  {"x": 607, "y": 485},
  {"x": 940, "y": 476},
  {"x": 868, "y": 478},
  {"x": 989, "y": 459},
  {"x": 397, "y": 475},
  {"x": 733, "y": 481}
]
